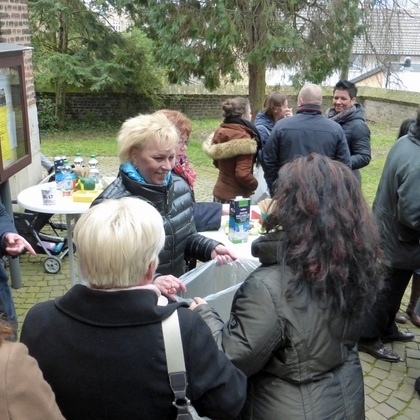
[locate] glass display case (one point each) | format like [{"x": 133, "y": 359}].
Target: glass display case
[{"x": 15, "y": 150}]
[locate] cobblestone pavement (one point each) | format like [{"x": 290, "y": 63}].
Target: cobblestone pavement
[{"x": 388, "y": 386}]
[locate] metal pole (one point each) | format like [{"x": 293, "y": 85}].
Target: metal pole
[{"x": 14, "y": 263}]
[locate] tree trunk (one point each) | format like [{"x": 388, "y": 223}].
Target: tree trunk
[
  {"x": 256, "y": 87},
  {"x": 60, "y": 85},
  {"x": 60, "y": 104}
]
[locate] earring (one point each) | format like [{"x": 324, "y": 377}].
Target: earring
[{"x": 135, "y": 164}]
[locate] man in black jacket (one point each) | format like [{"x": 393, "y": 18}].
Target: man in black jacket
[
  {"x": 306, "y": 132},
  {"x": 11, "y": 243},
  {"x": 351, "y": 116}
]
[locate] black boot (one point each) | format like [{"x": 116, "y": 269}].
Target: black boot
[{"x": 415, "y": 295}]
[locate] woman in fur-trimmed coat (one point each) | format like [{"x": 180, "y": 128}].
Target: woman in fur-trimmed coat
[{"x": 233, "y": 148}]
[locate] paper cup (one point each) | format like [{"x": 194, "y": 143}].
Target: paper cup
[{"x": 49, "y": 195}]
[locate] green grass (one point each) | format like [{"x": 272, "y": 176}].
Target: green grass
[
  {"x": 101, "y": 140},
  {"x": 382, "y": 138}
]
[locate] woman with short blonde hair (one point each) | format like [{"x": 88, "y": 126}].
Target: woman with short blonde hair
[{"x": 147, "y": 153}]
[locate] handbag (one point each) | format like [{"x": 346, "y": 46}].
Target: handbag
[{"x": 176, "y": 368}]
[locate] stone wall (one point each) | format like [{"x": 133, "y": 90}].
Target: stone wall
[{"x": 381, "y": 105}]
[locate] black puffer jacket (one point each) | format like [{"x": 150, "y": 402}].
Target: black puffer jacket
[
  {"x": 300, "y": 359},
  {"x": 397, "y": 202},
  {"x": 358, "y": 138},
  {"x": 175, "y": 204}
]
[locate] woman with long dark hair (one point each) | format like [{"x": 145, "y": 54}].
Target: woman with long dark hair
[{"x": 293, "y": 327}]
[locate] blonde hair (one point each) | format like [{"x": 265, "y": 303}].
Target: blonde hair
[
  {"x": 137, "y": 131},
  {"x": 116, "y": 242}
]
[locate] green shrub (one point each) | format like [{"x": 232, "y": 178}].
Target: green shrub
[{"x": 46, "y": 114}]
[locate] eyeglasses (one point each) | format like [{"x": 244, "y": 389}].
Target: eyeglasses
[{"x": 183, "y": 143}]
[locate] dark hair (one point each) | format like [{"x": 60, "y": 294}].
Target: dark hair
[
  {"x": 6, "y": 330},
  {"x": 405, "y": 125},
  {"x": 272, "y": 101},
  {"x": 350, "y": 87},
  {"x": 331, "y": 241},
  {"x": 235, "y": 107}
]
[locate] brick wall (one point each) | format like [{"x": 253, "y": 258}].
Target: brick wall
[
  {"x": 382, "y": 106},
  {"x": 14, "y": 29}
]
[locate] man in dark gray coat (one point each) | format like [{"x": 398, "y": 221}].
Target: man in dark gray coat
[
  {"x": 306, "y": 132},
  {"x": 397, "y": 209}
]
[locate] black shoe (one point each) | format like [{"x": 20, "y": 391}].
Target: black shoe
[
  {"x": 379, "y": 351},
  {"x": 417, "y": 385},
  {"x": 398, "y": 336}
]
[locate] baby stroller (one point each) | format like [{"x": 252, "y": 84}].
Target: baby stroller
[
  {"x": 29, "y": 225},
  {"x": 43, "y": 234}
]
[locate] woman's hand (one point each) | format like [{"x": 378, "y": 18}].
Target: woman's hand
[
  {"x": 197, "y": 301},
  {"x": 169, "y": 285},
  {"x": 223, "y": 255},
  {"x": 288, "y": 112}
]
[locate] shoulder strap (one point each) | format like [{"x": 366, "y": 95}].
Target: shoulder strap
[
  {"x": 176, "y": 364},
  {"x": 173, "y": 343}
]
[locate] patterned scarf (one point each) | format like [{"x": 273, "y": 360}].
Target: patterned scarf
[
  {"x": 339, "y": 116},
  {"x": 184, "y": 170}
]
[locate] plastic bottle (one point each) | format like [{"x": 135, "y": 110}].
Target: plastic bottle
[
  {"x": 78, "y": 160},
  {"x": 93, "y": 169},
  {"x": 67, "y": 188},
  {"x": 59, "y": 177}
]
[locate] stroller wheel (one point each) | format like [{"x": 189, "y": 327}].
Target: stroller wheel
[{"x": 52, "y": 265}]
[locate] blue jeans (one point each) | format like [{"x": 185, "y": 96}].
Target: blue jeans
[{"x": 7, "y": 307}]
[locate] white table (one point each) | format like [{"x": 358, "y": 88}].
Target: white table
[
  {"x": 31, "y": 199},
  {"x": 242, "y": 250}
]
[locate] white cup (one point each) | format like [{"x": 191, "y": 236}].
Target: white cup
[{"x": 49, "y": 195}]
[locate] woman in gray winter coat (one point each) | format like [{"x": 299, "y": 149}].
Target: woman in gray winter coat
[{"x": 293, "y": 326}]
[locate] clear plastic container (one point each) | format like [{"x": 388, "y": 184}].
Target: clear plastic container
[
  {"x": 78, "y": 160},
  {"x": 93, "y": 170},
  {"x": 67, "y": 188}
]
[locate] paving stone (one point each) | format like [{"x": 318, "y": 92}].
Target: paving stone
[
  {"x": 379, "y": 373},
  {"x": 413, "y": 373},
  {"x": 384, "y": 390},
  {"x": 404, "y": 395},
  {"x": 386, "y": 410},
  {"x": 396, "y": 403},
  {"x": 372, "y": 381},
  {"x": 411, "y": 414},
  {"x": 415, "y": 405},
  {"x": 413, "y": 363},
  {"x": 390, "y": 383},
  {"x": 369, "y": 401},
  {"x": 378, "y": 396},
  {"x": 374, "y": 415}
]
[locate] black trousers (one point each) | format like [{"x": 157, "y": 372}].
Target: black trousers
[{"x": 380, "y": 320}]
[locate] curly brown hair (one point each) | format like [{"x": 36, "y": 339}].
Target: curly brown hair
[
  {"x": 6, "y": 330},
  {"x": 331, "y": 240}
]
